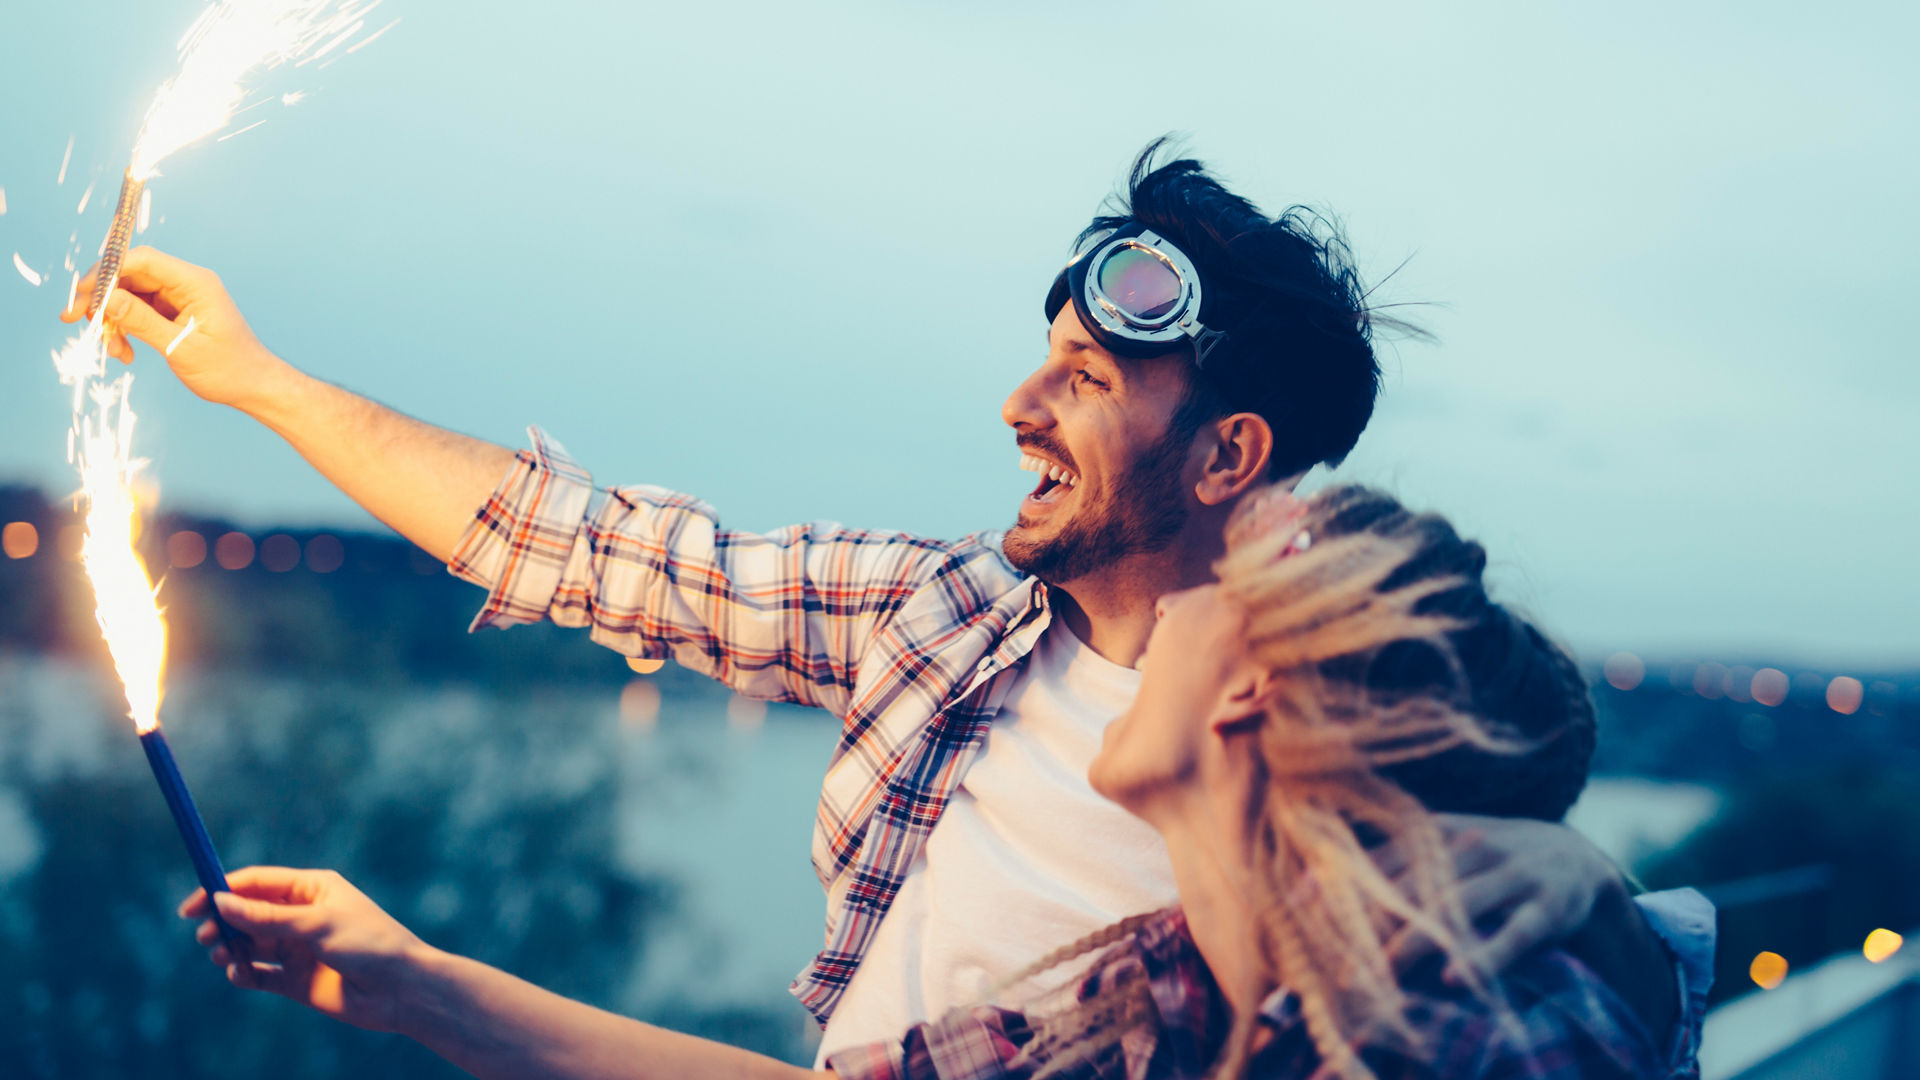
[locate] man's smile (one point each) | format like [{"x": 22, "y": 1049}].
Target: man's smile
[{"x": 1056, "y": 482}]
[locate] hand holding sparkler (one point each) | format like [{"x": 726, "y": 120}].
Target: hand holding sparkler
[
  {"x": 185, "y": 313},
  {"x": 336, "y": 952},
  {"x": 317, "y": 940}
]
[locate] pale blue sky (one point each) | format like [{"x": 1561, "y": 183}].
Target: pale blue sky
[{"x": 705, "y": 246}]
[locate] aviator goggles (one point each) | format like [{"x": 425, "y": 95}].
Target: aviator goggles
[{"x": 1137, "y": 293}]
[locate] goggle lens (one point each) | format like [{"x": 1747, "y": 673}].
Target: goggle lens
[{"x": 1139, "y": 283}]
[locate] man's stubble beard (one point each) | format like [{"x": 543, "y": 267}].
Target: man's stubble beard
[{"x": 1141, "y": 515}]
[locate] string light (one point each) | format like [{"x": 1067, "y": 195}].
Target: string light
[
  {"x": 1881, "y": 945},
  {"x": 1768, "y": 970}
]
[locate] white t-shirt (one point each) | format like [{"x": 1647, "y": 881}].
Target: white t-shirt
[{"x": 1025, "y": 859}]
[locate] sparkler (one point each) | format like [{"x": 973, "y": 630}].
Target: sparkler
[{"x": 230, "y": 40}]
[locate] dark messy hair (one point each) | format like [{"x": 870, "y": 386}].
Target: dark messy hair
[
  {"x": 1489, "y": 663},
  {"x": 1286, "y": 292}
]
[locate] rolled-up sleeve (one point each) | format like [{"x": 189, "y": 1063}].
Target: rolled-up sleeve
[
  {"x": 524, "y": 536},
  {"x": 784, "y": 616},
  {"x": 1684, "y": 919},
  {"x": 979, "y": 1043}
]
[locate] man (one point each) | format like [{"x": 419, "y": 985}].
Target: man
[{"x": 1196, "y": 351}]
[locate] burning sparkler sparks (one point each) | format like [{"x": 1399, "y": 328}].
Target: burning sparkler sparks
[
  {"x": 230, "y": 40},
  {"x": 123, "y": 593}
]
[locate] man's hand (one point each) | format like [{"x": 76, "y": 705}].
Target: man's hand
[
  {"x": 1529, "y": 884},
  {"x": 156, "y": 297},
  {"x": 317, "y": 940},
  {"x": 424, "y": 481},
  {"x": 1538, "y": 881}
]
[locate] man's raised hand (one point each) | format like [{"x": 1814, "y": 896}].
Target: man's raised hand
[{"x": 155, "y": 299}]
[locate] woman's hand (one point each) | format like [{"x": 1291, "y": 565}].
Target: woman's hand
[
  {"x": 155, "y": 299},
  {"x": 317, "y": 940}
]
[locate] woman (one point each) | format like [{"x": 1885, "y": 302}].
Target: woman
[{"x": 1346, "y": 679}]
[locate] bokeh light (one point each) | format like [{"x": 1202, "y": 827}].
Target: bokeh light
[
  {"x": 1739, "y": 683},
  {"x": 745, "y": 713},
  {"x": 1768, "y": 970},
  {"x": 1844, "y": 694},
  {"x": 279, "y": 553},
  {"x": 1769, "y": 686},
  {"x": 186, "y": 549},
  {"x": 20, "y": 540},
  {"x": 644, "y": 666},
  {"x": 640, "y": 705},
  {"x": 233, "y": 551},
  {"x": 1710, "y": 680},
  {"x": 325, "y": 554},
  {"x": 1882, "y": 944},
  {"x": 1624, "y": 671}
]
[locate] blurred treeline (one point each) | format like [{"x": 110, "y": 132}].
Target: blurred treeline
[
  {"x": 389, "y": 611},
  {"x": 345, "y": 719}
]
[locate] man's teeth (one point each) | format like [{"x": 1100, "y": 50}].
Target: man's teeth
[{"x": 1051, "y": 471}]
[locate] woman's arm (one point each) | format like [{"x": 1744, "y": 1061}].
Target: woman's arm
[
  {"x": 495, "y": 1025},
  {"x": 323, "y": 943}
]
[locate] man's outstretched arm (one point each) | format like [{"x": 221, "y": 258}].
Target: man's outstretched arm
[
  {"x": 422, "y": 481},
  {"x": 786, "y": 616}
]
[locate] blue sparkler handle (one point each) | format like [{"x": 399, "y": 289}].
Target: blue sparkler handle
[{"x": 206, "y": 862}]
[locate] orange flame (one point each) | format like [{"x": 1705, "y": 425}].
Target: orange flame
[{"x": 101, "y": 447}]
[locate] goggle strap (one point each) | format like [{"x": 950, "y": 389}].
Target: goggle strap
[{"x": 1204, "y": 343}]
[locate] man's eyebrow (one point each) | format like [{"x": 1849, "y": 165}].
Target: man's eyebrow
[
  {"x": 1078, "y": 348},
  {"x": 1070, "y": 345}
]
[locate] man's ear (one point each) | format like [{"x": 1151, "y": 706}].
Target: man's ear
[
  {"x": 1238, "y": 448},
  {"x": 1242, "y": 702}
]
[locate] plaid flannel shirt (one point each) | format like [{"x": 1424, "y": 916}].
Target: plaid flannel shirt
[
  {"x": 1567, "y": 1025},
  {"x": 911, "y": 642}
]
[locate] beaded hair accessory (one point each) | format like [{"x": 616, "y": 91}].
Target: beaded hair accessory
[{"x": 1274, "y": 510}]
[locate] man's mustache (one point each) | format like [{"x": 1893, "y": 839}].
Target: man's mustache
[{"x": 1043, "y": 443}]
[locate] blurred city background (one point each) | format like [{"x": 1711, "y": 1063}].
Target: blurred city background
[
  {"x": 1665, "y": 253},
  {"x": 640, "y": 841}
]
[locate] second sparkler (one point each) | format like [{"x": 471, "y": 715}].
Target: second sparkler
[{"x": 193, "y": 830}]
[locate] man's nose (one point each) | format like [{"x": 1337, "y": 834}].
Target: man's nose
[{"x": 1025, "y": 408}]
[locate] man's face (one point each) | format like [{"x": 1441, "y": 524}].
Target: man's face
[{"x": 1102, "y": 422}]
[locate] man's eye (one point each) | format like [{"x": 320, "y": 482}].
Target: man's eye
[{"x": 1086, "y": 377}]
